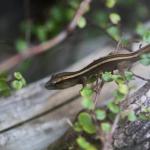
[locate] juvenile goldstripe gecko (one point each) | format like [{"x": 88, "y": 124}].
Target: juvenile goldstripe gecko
[{"x": 108, "y": 63}]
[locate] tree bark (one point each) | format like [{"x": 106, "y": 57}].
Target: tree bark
[{"x": 135, "y": 135}]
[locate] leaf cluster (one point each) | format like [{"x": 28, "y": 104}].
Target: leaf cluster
[{"x": 9, "y": 83}]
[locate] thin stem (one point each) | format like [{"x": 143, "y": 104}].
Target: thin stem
[
  {"x": 142, "y": 78},
  {"x": 107, "y": 142},
  {"x": 99, "y": 87}
]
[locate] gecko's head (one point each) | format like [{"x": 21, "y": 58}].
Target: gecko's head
[{"x": 61, "y": 81}]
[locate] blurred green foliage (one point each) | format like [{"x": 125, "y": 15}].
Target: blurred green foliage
[
  {"x": 112, "y": 16},
  {"x": 84, "y": 144},
  {"x": 144, "y": 32},
  {"x": 57, "y": 18},
  {"x": 106, "y": 127},
  {"x": 145, "y": 59},
  {"x": 10, "y": 83},
  {"x": 99, "y": 121},
  {"x": 85, "y": 121},
  {"x": 100, "y": 114}
]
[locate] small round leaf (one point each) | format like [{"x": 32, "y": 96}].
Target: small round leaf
[
  {"x": 86, "y": 92},
  {"x": 106, "y": 127},
  {"x": 115, "y": 18},
  {"x": 17, "y": 84},
  {"x": 100, "y": 114},
  {"x": 113, "y": 107},
  {"x": 86, "y": 122}
]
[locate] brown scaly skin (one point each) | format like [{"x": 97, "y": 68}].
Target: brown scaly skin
[{"x": 107, "y": 63}]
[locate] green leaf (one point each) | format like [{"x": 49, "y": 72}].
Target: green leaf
[
  {"x": 81, "y": 22},
  {"x": 70, "y": 13},
  {"x": 113, "y": 107},
  {"x": 118, "y": 96},
  {"x": 115, "y": 18},
  {"x": 41, "y": 33},
  {"x": 17, "y": 84},
  {"x": 3, "y": 85},
  {"x": 107, "y": 76},
  {"x": 123, "y": 89},
  {"x": 110, "y": 3},
  {"x": 77, "y": 127},
  {"x": 140, "y": 29},
  {"x": 56, "y": 13},
  {"x": 106, "y": 127},
  {"x": 86, "y": 92},
  {"x": 102, "y": 18},
  {"x": 3, "y": 76},
  {"x": 87, "y": 103},
  {"x": 128, "y": 75},
  {"x": 84, "y": 144},
  {"x": 21, "y": 45},
  {"x": 144, "y": 56},
  {"x": 100, "y": 114},
  {"x": 86, "y": 122},
  {"x": 143, "y": 32},
  {"x": 114, "y": 33},
  {"x": 18, "y": 75},
  {"x": 117, "y": 78},
  {"x": 132, "y": 116},
  {"x": 20, "y": 81},
  {"x": 23, "y": 81},
  {"x": 146, "y": 37},
  {"x": 145, "y": 62},
  {"x": 5, "y": 92},
  {"x": 145, "y": 59}
]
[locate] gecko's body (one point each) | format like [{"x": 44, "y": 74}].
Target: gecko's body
[{"x": 107, "y": 63}]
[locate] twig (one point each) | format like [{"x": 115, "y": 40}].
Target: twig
[
  {"x": 107, "y": 143},
  {"x": 114, "y": 126},
  {"x": 99, "y": 87},
  {"x": 32, "y": 51},
  {"x": 142, "y": 78}
]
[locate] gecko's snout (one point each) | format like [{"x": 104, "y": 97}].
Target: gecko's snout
[
  {"x": 50, "y": 86},
  {"x": 47, "y": 85}
]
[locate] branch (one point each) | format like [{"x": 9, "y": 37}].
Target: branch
[{"x": 32, "y": 51}]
